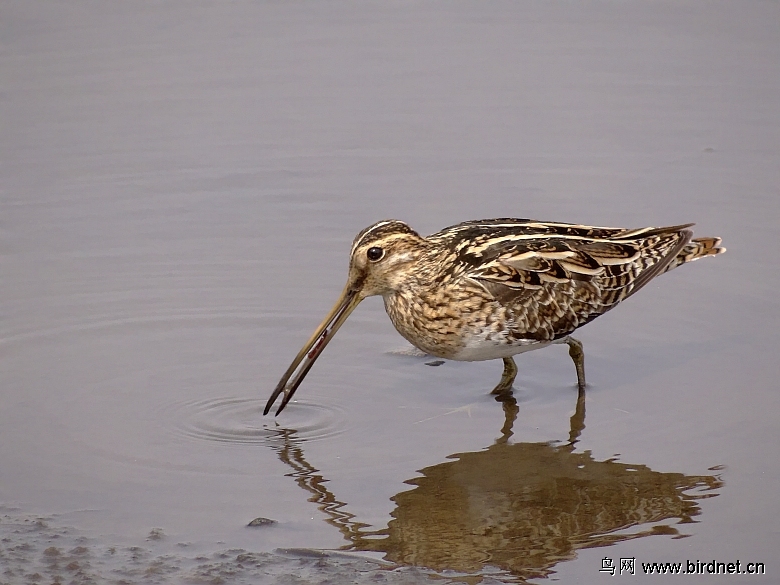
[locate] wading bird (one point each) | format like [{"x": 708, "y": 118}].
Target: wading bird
[{"x": 490, "y": 289}]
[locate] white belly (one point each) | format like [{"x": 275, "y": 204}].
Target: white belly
[{"x": 477, "y": 349}]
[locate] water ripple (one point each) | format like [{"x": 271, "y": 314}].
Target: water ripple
[{"x": 241, "y": 420}]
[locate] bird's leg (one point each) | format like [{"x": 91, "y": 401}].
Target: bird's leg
[
  {"x": 507, "y": 378},
  {"x": 578, "y": 357}
]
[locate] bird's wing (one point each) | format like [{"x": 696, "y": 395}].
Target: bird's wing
[{"x": 567, "y": 276}]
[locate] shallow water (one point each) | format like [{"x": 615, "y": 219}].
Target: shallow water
[{"x": 179, "y": 188}]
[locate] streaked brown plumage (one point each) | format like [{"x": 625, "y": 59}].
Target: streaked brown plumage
[{"x": 491, "y": 289}]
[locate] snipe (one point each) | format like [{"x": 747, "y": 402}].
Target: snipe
[{"x": 490, "y": 289}]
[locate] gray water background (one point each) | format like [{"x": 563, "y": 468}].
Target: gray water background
[{"x": 179, "y": 187}]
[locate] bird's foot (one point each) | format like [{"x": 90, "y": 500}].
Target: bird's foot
[
  {"x": 578, "y": 357},
  {"x": 504, "y": 387}
]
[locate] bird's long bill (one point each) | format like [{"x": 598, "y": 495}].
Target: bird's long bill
[{"x": 306, "y": 357}]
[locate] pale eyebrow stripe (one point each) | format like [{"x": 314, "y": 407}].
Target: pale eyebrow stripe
[
  {"x": 378, "y": 225},
  {"x": 389, "y": 238}
]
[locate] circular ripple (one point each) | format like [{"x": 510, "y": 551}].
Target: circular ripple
[{"x": 241, "y": 421}]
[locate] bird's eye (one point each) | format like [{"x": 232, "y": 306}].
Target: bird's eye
[{"x": 375, "y": 254}]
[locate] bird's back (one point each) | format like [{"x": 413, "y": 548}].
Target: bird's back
[{"x": 544, "y": 279}]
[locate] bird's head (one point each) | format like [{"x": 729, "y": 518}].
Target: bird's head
[{"x": 380, "y": 258}]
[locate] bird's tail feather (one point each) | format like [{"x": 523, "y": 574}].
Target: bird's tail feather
[{"x": 695, "y": 249}]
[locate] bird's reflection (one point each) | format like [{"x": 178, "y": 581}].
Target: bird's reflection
[{"x": 520, "y": 507}]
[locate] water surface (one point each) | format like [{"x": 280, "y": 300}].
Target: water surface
[{"x": 179, "y": 188}]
